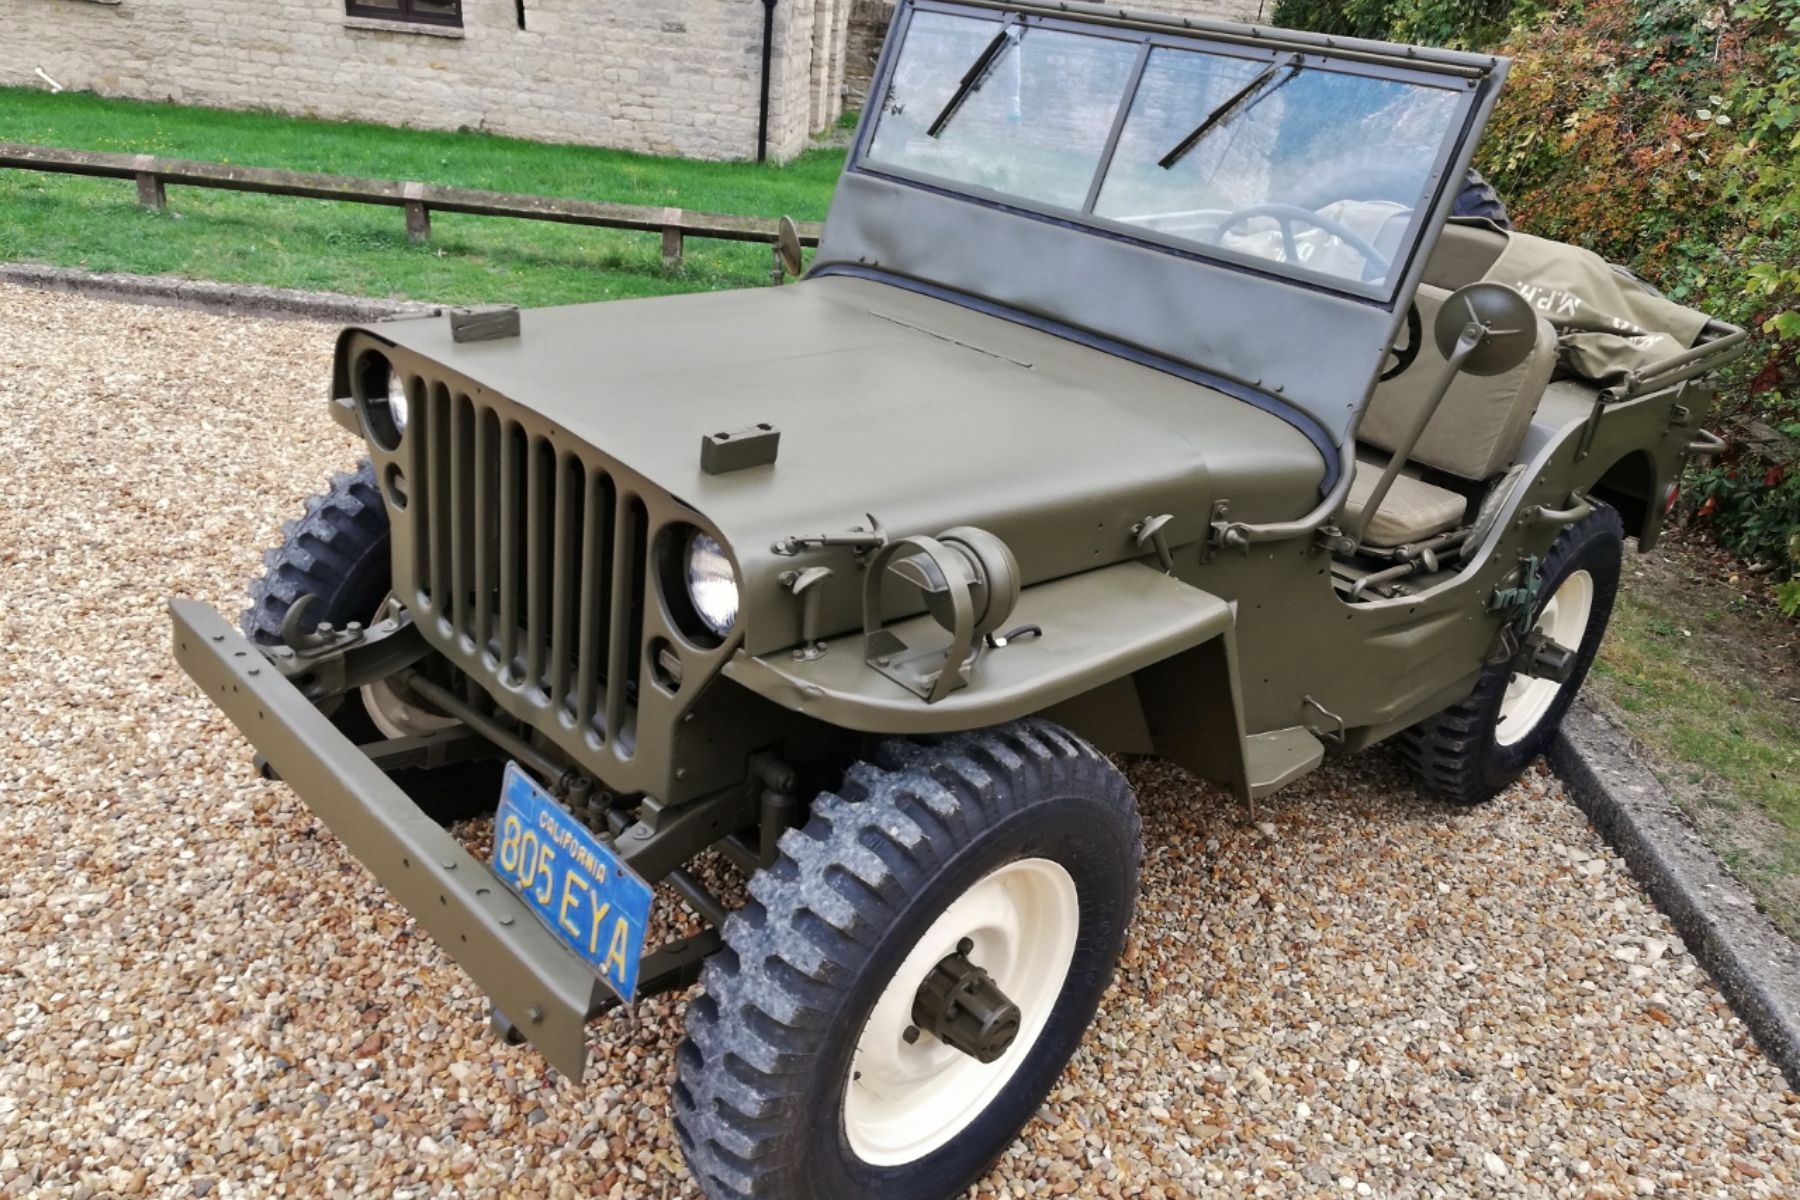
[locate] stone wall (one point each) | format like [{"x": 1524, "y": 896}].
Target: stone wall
[
  {"x": 869, "y": 21},
  {"x": 673, "y": 77}
]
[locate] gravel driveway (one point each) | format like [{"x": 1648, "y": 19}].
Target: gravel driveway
[{"x": 202, "y": 994}]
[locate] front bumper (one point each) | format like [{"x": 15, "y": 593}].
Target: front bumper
[{"x": 546, "y": 991}]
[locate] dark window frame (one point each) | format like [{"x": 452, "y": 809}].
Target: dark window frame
[{"x": 403, "y": 10}]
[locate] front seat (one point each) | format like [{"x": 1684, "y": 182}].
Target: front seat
[{"x": 1475, "y": 434}]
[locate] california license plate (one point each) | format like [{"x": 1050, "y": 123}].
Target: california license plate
[{"x": 594, "y": 903}]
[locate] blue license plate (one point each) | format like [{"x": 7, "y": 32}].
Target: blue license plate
[{"x": 577, "y": 886}]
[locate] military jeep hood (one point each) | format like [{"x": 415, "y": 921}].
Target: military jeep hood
[{"x": 916, "y": 410}]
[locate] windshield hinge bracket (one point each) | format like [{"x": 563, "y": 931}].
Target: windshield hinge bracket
[
  {"x": 1225, "y": 534},
  {"x": 1329, "y": 539},
  {"x": 860, "y": 539}
]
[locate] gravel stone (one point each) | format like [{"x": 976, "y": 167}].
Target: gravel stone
[{"x": 204, "y": 994}]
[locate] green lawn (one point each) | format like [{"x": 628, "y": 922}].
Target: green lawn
[
  {"x": 1707, "y": 682},
  {"x": 285, "y": 242}
]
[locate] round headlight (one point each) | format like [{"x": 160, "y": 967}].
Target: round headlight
[
  {"x": 712, "y": 585},
  {"x": 396, "y": 401}
]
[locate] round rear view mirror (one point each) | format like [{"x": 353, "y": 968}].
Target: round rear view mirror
[
  {"x": 1509, "y": 327},
  {"x": 787, "y": 241}
]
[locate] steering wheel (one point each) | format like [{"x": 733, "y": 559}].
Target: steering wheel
[
  {"x": 1287, "y": 214},
  {"x": 1402, "y": 354}
]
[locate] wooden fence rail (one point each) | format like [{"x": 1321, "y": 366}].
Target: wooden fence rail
[{"x": 420, "y": 200}]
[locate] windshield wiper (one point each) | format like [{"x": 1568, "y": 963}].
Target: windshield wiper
[
  {"x": 977, "y": 72},
  {"x": 1218, "y": 115}
]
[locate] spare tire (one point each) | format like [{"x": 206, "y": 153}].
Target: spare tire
[{"x": 1477, "y": 198}]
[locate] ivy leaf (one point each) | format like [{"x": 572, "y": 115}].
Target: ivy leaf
[{"x": 1784, "y": 325}]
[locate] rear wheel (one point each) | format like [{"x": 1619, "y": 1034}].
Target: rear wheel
[
  {"x": 913, "y": 973},
  {"x": 1471, "y": 751}
]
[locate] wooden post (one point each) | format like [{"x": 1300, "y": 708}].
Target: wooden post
[
  {"x": 152, "y": 175},
  {"x": 150, "y": 186},
  {"x": 418, "y": 217},
  {"x": 674, "y": 245}
]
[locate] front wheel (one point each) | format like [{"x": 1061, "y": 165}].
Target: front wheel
[
  {"x": 911, "y": 976},
  {"x": 1471, "y": 751},
  {"x": 338, "y": 553}
]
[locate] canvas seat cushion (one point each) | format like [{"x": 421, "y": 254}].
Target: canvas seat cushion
[
  {"x": 1479, "y": 426},
  {"x": 1412, "y": 511}
]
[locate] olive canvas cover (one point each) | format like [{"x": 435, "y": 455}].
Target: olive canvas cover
[{"x": 1608, "y": 323}]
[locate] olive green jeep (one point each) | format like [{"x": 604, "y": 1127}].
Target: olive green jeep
[{"x": 1145, "y": 396}]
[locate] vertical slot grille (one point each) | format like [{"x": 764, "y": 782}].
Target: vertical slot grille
[{"x": 531, "y": 561}]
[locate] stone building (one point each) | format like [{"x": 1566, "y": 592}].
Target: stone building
[
  {"x": 718, "y": 79},
  {"x": 869, "y": 22}
]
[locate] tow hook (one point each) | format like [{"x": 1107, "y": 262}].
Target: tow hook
[
  {"x": 324, "y": 662},
  {"x": 1542, "y": 658},
  {"x": 962, "y": 1006}
]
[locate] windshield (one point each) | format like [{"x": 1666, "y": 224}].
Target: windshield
[{"x": 1297, "y": 164}]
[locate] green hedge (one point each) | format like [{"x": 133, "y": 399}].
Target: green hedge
[
  {"x": 1463, "y": 23},
  {"x": 1664, "y": 134}
]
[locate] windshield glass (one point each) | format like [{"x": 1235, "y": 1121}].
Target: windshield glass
[
  {"x": 1034, "y": 127},
  {"x": 1300, "y": 165}
]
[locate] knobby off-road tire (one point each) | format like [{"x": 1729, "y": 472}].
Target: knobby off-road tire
[
  {"x": 339, "y": 551},
  {"x": 1477, "y": 198},
  {"x": 772, "y": 1098},
  {"x": 1471, "y": 751}
]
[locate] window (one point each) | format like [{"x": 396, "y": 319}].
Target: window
[
  {"x": 425, "y": 12},
  {"x": 1314, "y": 168},
  {"x": 1030, "y": 119}
]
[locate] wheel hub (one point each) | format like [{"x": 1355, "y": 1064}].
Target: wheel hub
[
  {"x": 961, "y": 1012},
  {"x": 962, "y": 1006},
  {"x": 1546, "y": 659},
  {"x": 394, "y": 714},
  {"x": 1542, "y": 658}
]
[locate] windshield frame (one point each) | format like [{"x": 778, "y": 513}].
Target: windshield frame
[{"x": 1452, "y": 76}]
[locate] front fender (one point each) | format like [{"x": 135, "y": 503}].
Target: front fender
[{"x": 1099, "y": 627}]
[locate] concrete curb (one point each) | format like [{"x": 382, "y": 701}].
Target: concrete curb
[
  {"x": 224, "y": 299},
  {"x": 1754, "y": 964}
]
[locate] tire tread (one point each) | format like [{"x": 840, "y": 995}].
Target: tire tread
[
  {"x": 1451, "y": 752},
  {"x": 341, "y": 528},
  {"x": 743, "y": 1067}
]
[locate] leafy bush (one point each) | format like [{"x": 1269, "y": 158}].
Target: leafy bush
[
  {"x": 1665, "y": 135},
  {"x": 1462, "y": 23}
]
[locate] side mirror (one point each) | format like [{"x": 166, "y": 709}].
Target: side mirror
[
  {"x": 1492, "y": 324},
  {"x": 787, "y": 246}
]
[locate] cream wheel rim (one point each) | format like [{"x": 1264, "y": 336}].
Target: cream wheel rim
[
  {"x": 388, "y": 711},
  {"x": 1564, "y": 620},
  {"x": 904, "y": 1099}
]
